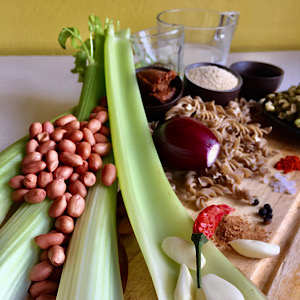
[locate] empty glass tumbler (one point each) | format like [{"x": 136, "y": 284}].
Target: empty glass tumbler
[{"x": 208, "y": 34}]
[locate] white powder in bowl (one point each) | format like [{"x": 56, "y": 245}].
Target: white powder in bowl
[{"x": 212, "y": 78}]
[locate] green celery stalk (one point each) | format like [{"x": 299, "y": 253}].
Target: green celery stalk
[
  {"x": 153, "y": 208},
  {"x": 91, "y": 270},
  {"x": 18, "y": 251}
]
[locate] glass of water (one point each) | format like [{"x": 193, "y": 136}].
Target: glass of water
[
  {"x": 161, "y": 46},
  {"x": 208, "y": 34}
]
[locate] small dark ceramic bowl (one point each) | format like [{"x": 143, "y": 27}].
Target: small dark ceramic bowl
[
  {"x": 220, "y": 97},
  {"x": 157, "y": 111},
  {"x": 259, "y": 79}
]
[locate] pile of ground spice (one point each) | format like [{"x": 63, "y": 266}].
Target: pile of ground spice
[
  {"x": 237, "y": 227},
  {"x": 288, "y": 164}
]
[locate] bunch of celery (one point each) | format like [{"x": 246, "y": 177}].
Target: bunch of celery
[
  {"x": 152, "y": 206},
  {"x": 18, "y": 251}
]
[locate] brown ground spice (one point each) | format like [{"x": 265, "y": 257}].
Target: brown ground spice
[{"x": 237, "y": 227}]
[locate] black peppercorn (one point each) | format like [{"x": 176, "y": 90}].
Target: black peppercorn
[
  {"x": 268, "y": 208},
  {"x": 255, "y": 202},
  {"x": 262, "y": 212}
]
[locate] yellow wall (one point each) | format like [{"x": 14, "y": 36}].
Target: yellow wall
[{"x": 30, "y": 27}]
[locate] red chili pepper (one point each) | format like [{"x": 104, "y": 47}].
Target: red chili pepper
[
  {"x": 204, "y": 228},
  {"x": 209, "y": 218}
]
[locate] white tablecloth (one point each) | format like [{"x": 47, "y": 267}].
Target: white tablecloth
[{"x": 39, "y": 88}]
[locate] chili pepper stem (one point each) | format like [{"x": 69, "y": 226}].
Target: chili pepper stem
[{"x": 199, "y": 240}]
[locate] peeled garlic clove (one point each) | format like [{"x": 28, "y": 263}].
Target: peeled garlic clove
[
  {"x": 182, "y": 251},
  {"x": 255, "y": 249},
  {"x": 185, "y": 285},
  {"x": 217, "y": 288}
]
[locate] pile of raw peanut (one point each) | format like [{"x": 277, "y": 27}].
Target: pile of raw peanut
[{"x": 61, "y": 163}]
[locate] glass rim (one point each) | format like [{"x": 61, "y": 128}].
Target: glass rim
[
  {"x": 227, "y": 13},
  {"x": 173, "y": 29}
]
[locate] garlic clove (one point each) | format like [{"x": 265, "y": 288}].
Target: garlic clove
[
  {"x": 217, "y": 288},
  {"x": 254, "y": 249},
  {"x": 185, "y": 285},
  {"x": 182, "y": 251}
]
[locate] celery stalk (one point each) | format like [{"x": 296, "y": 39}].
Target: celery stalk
[
  {"x": 91, "y": 270},
  {"x": 153, "y": 208},
  {"x": 18, "y": 251}
]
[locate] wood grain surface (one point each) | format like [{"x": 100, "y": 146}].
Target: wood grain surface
[{"x": 277, "y": 277}]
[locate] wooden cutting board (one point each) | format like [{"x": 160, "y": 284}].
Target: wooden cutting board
[{"x": 278, "y": 277}]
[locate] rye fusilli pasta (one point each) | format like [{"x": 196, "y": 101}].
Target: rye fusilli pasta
[{"x": 243, "y": 152}]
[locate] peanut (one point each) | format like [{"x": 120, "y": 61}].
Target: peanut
[
  {"x": 83, "y": 168},
  {"x": 56, "y": 274},
  {"x": 46, "y": 146},
  {"x": 47, "y": 240},
  {"x": 56, "y": 255},
  {"x": 34, "y": 167},
  {"x": 18, "y": 195},
  {"x": 58, "y": 206},
  {"x": 88, "y": 179},
  {"x": 44, "y": 255},
  {"x": 48, "y": 127},
  {"x": 102, "y": 149},
  {"x": 109, "y": 174},
  {"x": 73, "y": 177},
  {"x": 74, "y": 135},
  {"x": 35, "y": 195},
  {"x": 41, "y": 271},
  {"x": 77, "y": 187},
  {"x": 84, "y": 150},
  {"x": 34, "y": 129},
  {"x": 105, "y": 130},
  {"x": 71, "y": 159},
  {"x": 83, "y": 124},
  {"x": 88, "y": 136},
  {"x": 93, "y": 125},
  {"x": 43, "y": 287},
  {"x": 101, "y": 116},
  {"x": 64, "y": 120},
  {"x": 58, "y": 134},
  {"x": 56, "y": 188},
  {"x": 99, "y": 108},
  {"x": 75, "y": 124},
  {"x": 66, "y": 145},
  {"x": 75, "y": 206},
  {"x": 16, "y": 182},
  {"x": 95, "y": 162},
  {"x": 44, "y": 179},
  {"x": 100, "y": 138},
  {"x": 51, "y": 159},
  {"x": 42, "y": 137},
  {"x": 64, "y": 224},
  {"x": 68, "y": 196},
  {"x": 63, "y": 172},
  {"x": 30, "y": 181},
  {"x": 32, "y": 156},
  {"x": 31, "y": 146}
]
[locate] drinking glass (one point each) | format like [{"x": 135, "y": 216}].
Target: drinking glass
[
  {"x": 161, "y": 46},
  {"x": 207, "y": 33}
]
